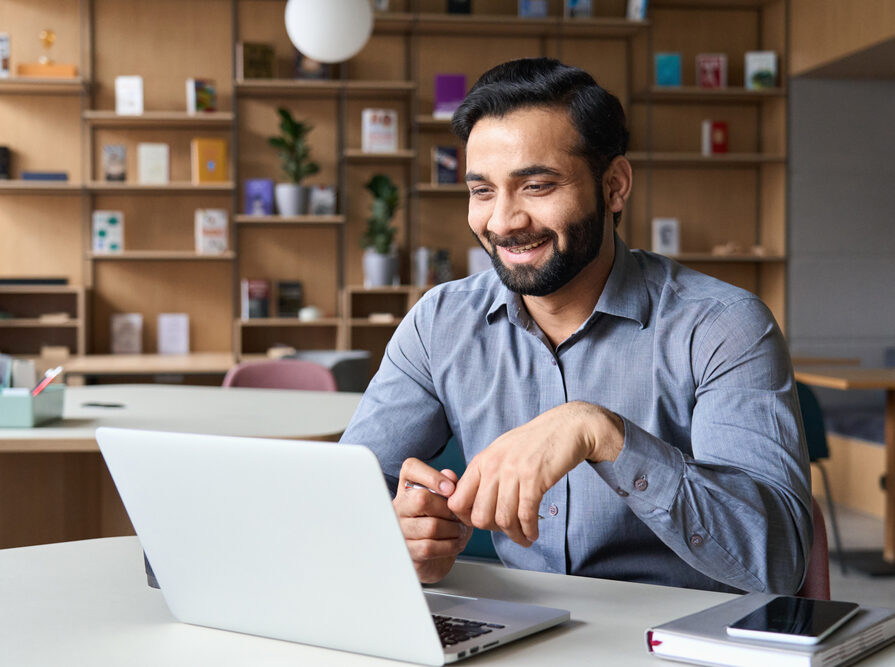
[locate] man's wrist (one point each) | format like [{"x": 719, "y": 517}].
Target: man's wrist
[{"x": 604, "y": 433}]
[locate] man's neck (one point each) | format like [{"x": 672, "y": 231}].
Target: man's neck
[{"x": 561, "y": 313}]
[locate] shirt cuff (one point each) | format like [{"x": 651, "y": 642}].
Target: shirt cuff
[{"x": 648, "y": 471}]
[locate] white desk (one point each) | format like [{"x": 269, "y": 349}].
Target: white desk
[
  {"x": 87, "y": 603},
  {"x": 55, "y": 487}
]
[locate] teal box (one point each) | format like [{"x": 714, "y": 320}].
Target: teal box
[
  {"x": 22, "y": 410},
  {"x": 668, "y": 69}
]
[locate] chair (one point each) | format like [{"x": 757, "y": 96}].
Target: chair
[
  {"x": 281, "y": 374},
  {"x": 817, "y": 580},
  {"x": 816, "y": 439}
]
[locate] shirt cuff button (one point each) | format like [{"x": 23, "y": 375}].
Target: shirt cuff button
[
  {"x": 696, "y": 540},
  {"x": 641, "y": 484},
  {"x": 620, "y": 491},
  {"x": 553, "y": 510}
]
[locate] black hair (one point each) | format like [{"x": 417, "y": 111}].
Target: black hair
[{"x": 545, "y": 82}]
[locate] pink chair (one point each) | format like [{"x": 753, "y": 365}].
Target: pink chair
[
  {"x": 281, "y": 374},
  {"x": 817, "y": 581}
]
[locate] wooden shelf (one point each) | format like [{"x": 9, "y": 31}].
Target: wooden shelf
[
  {"x": 365, "y": 322},
  {"x": 41, "y": 86},
  {"x": 357, "y": 155},
  {"x": 40, "y": 289},
  {"x": 159, "y": 119},
  {"x": 704, "y": 257},
  {"x": 451, "y": 189},
  {"x": 379, "y": 88},
  {"x": 161, "y": 255},
  {"x": 708, "y": 4},
  {"x": 320, "y": 87},
  {"x": 697, "y": 95},
  {"x": 430, "y": 122},
  {"x": 196, "y": 363},
  {"x": 289, "y": 220},
  {"x": 98, "y": 187},
  {"x": 289, "y": 322},
  {"x": 36, "y": 323},
  {"x": 40, "y": 187},
  {"x": 696, "y": 160},
  {"x": 516, "y": 26}
]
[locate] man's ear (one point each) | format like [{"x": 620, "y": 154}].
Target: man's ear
[{"x": 617, "y": 181}]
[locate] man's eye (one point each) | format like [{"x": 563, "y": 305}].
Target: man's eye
[
  {"x": 478, "y": 192},
  {"x": 538, "y": 187}
]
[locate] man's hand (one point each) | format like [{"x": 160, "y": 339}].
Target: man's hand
[
  {"x": 503, "y": 485},
  {"x": 433, "y": 534}
]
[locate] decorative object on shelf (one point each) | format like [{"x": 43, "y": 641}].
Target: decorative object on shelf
[
  {"x": 331, "y": 31},
  {"x": 127, "y": 333},
  {"x": 380, "y": 258},
  {"x": 379, "y": 131},
  {"x": 666, "y": 236},
  {"x": 212, "y": 237},
  {"x": 711, "y": 70},
  {"x": 449, "y": 92},
  {"x": 259, "y": 196},
  {"x": 732, "y": 249},
  {"x": 45, "y": 67},
  {"x": 129, "y": 95},
  {"x": 254, "y": 60},
  {"x": 108, "y": 231},
  {"x": 668, "y": 69},
  {"x": 201, "y": 95},
  {"x": 208, "y": 160},
  {"x": 444, "y": 165},
  {"x": 304, "y": 67},
  {"x": 322, "y": 200},
  {"x": 44, "y": 175},
  {"x": 422, "y": 267},
  {"x": 714, "y": 137},
  {"x": 459, "y": 6},
  {"x": 477, "y": 260},
  {"x": 575, "y": 9},
  {"x": 5, "y": 160},
  {"x": 114, "y": 162},
  {"x": 760, "y": 70},
  {"x": 153, "y": 164},
  {"x": 4, "y": 55},
  {"x": 294, "y": 152},
  {"x": 290, "y": 297},
  {"x": 533, "y": 9},
  {"x": 637, "y": 10},
  {"x": 254, "y": 298},
  {"x": 173, "y": 333},
  {"x": 444, "y": 272},
  {"x": 310, "y": 314}
]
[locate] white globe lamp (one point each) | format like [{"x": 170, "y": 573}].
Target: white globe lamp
[{"x": 329, "y": 31}]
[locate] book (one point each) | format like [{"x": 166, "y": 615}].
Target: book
[
  {"x": 760, "y": 70},
  {"x": 533, "y": 9},
  {"x": 714, "y": 137},
  {"x": 208, "y": 160},
  {"x": 576, "y": 9},
  {"x": 259, "y": 196},
  {"x": 711, "y": 70},
  {"x": 444, "y": 164},
  {"x": 290, "y": 296},
  {"x": 254, "y": 60},
  {"x": 5, "y": 51},
  {"x": 668, "y": 69},
  {"x": 449, "y": 91},
  {"x": 201, "y": 95},
  {"x": 129, "y": 95},
  {"x": 459, "y": 6},
  {"x": 637, "y": 10},
  {"x": 173, "y": 333},
  {"x": 127, "y": 333},
  {"x": 212, "y": 234},
  {"x": 107, "y": 231},
  {"x": 666, "y": 236},
  {"x": 44, "y": 175},
  {"x": 379, "y": 131},
  {"x": 322, "y": 200},
  {"x": 114, "y": 162},
  {"x": 5, "y": 163},
  {"x": 702, "y": 638},
  {"x": 254, "y": 298},
  {"x": 153, "y": 164}
]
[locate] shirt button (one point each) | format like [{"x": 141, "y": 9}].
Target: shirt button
[
  {"x": 620, "y": 491},
  {"x": 640, "y": 483},
  {"x": 553, "y": 362},
  {"x": 696, "y": 540},
  {"x": 553, "y": 509}
]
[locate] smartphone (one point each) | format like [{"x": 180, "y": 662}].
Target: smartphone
[{"x": 792, "y": 619}]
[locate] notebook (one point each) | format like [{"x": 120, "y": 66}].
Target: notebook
[{"x": 293, "y": 540}]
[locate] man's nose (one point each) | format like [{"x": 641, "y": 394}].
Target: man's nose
[{"x": 507, "y": 217}]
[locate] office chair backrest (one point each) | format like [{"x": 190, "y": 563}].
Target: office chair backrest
[
  {"x": 813, "y": 420},
  {"x": 281, "y": 374},
  {"x": 817, "y": 581}
]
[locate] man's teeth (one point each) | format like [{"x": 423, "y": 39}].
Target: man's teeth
[{"x": 526, "y": 248}]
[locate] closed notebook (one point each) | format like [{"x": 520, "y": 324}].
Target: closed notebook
[
  {"x": 702, "y": 638},
  {"x": 208, "y": 159}
]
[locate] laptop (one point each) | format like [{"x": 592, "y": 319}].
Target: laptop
[{"x": 294, "y": 540}]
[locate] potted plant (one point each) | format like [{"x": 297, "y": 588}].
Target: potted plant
[
  {"x": 294, "y": 153},
  {"x": 380, "y": 258}
]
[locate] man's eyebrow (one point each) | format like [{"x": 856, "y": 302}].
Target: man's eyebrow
[
  {"x": 472, "y": 176},
  {"x": 533, "y": 170}
]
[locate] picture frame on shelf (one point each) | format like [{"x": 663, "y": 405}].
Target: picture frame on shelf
[{"x": 666, "y": 236}]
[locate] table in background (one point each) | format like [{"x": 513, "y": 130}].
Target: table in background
[
  {"x": 78, "y": 370},
  {"x": 850, "y": 377},
  {"x": 54, "y": 485}
]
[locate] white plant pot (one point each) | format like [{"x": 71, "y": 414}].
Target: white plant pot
[
  {"x": 290, "y": 198},
  {"x": 380, "y": 270}
]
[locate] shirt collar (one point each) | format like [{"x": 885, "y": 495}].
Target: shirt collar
[{"x": 625, "y": 294}]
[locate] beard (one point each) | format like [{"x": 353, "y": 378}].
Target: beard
[{"x": 583, "y": 240}]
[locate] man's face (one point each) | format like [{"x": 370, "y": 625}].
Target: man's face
[{"x": 533, "y": 203}]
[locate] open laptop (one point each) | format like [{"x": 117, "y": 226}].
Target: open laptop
[{"x": 293, "y": 540}]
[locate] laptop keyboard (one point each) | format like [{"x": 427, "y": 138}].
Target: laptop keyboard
[{"x": 455, "y": 630}]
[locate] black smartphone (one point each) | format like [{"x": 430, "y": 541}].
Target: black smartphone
[{"x": 793, "y": 619}]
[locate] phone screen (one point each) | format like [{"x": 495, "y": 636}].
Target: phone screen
[{"x": 794, "y": 619}]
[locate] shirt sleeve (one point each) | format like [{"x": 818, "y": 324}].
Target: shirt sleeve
[
  {"x": 738, "y": 509},
  {"x": 400, "y": 415}
]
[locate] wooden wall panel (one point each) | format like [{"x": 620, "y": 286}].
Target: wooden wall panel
[
  {"x": 443, "y": 224},
  {"x": 678, "y": 128},
  {"x": 605, "y": 60},
  {"x": 30, "y": 17},
  {"x": 43, "y": 133},
  {"x": 41, "y": 236},
  {"x": 384, "y": 58},
  {"x": 257, "y": 340}
]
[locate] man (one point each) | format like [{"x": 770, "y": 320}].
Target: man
[{"x": 622, "y": 416}]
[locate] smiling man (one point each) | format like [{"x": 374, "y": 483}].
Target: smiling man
[{"x": 622, "y": 416}]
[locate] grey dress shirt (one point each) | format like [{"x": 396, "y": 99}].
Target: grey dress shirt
[{"x": 711, "y": 489}]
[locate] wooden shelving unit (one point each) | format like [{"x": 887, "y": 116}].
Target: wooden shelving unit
[
  {"x": 40, "y": 187},
  {"x": 42, "y": 315},
  {"x": 161, "y": 255},
  {"x": 160, "y": 119},
  {"x": 326, "y": 220},
  {"x": 41, "y": 86}
]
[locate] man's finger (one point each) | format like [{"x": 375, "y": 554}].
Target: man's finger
[
  {"x": 414, "y": 471},
  {"x": 431, "y": 528},
  {"x": 462, "y": 499}
]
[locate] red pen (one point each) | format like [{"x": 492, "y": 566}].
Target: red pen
[{"x": 49, "y": 376}]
